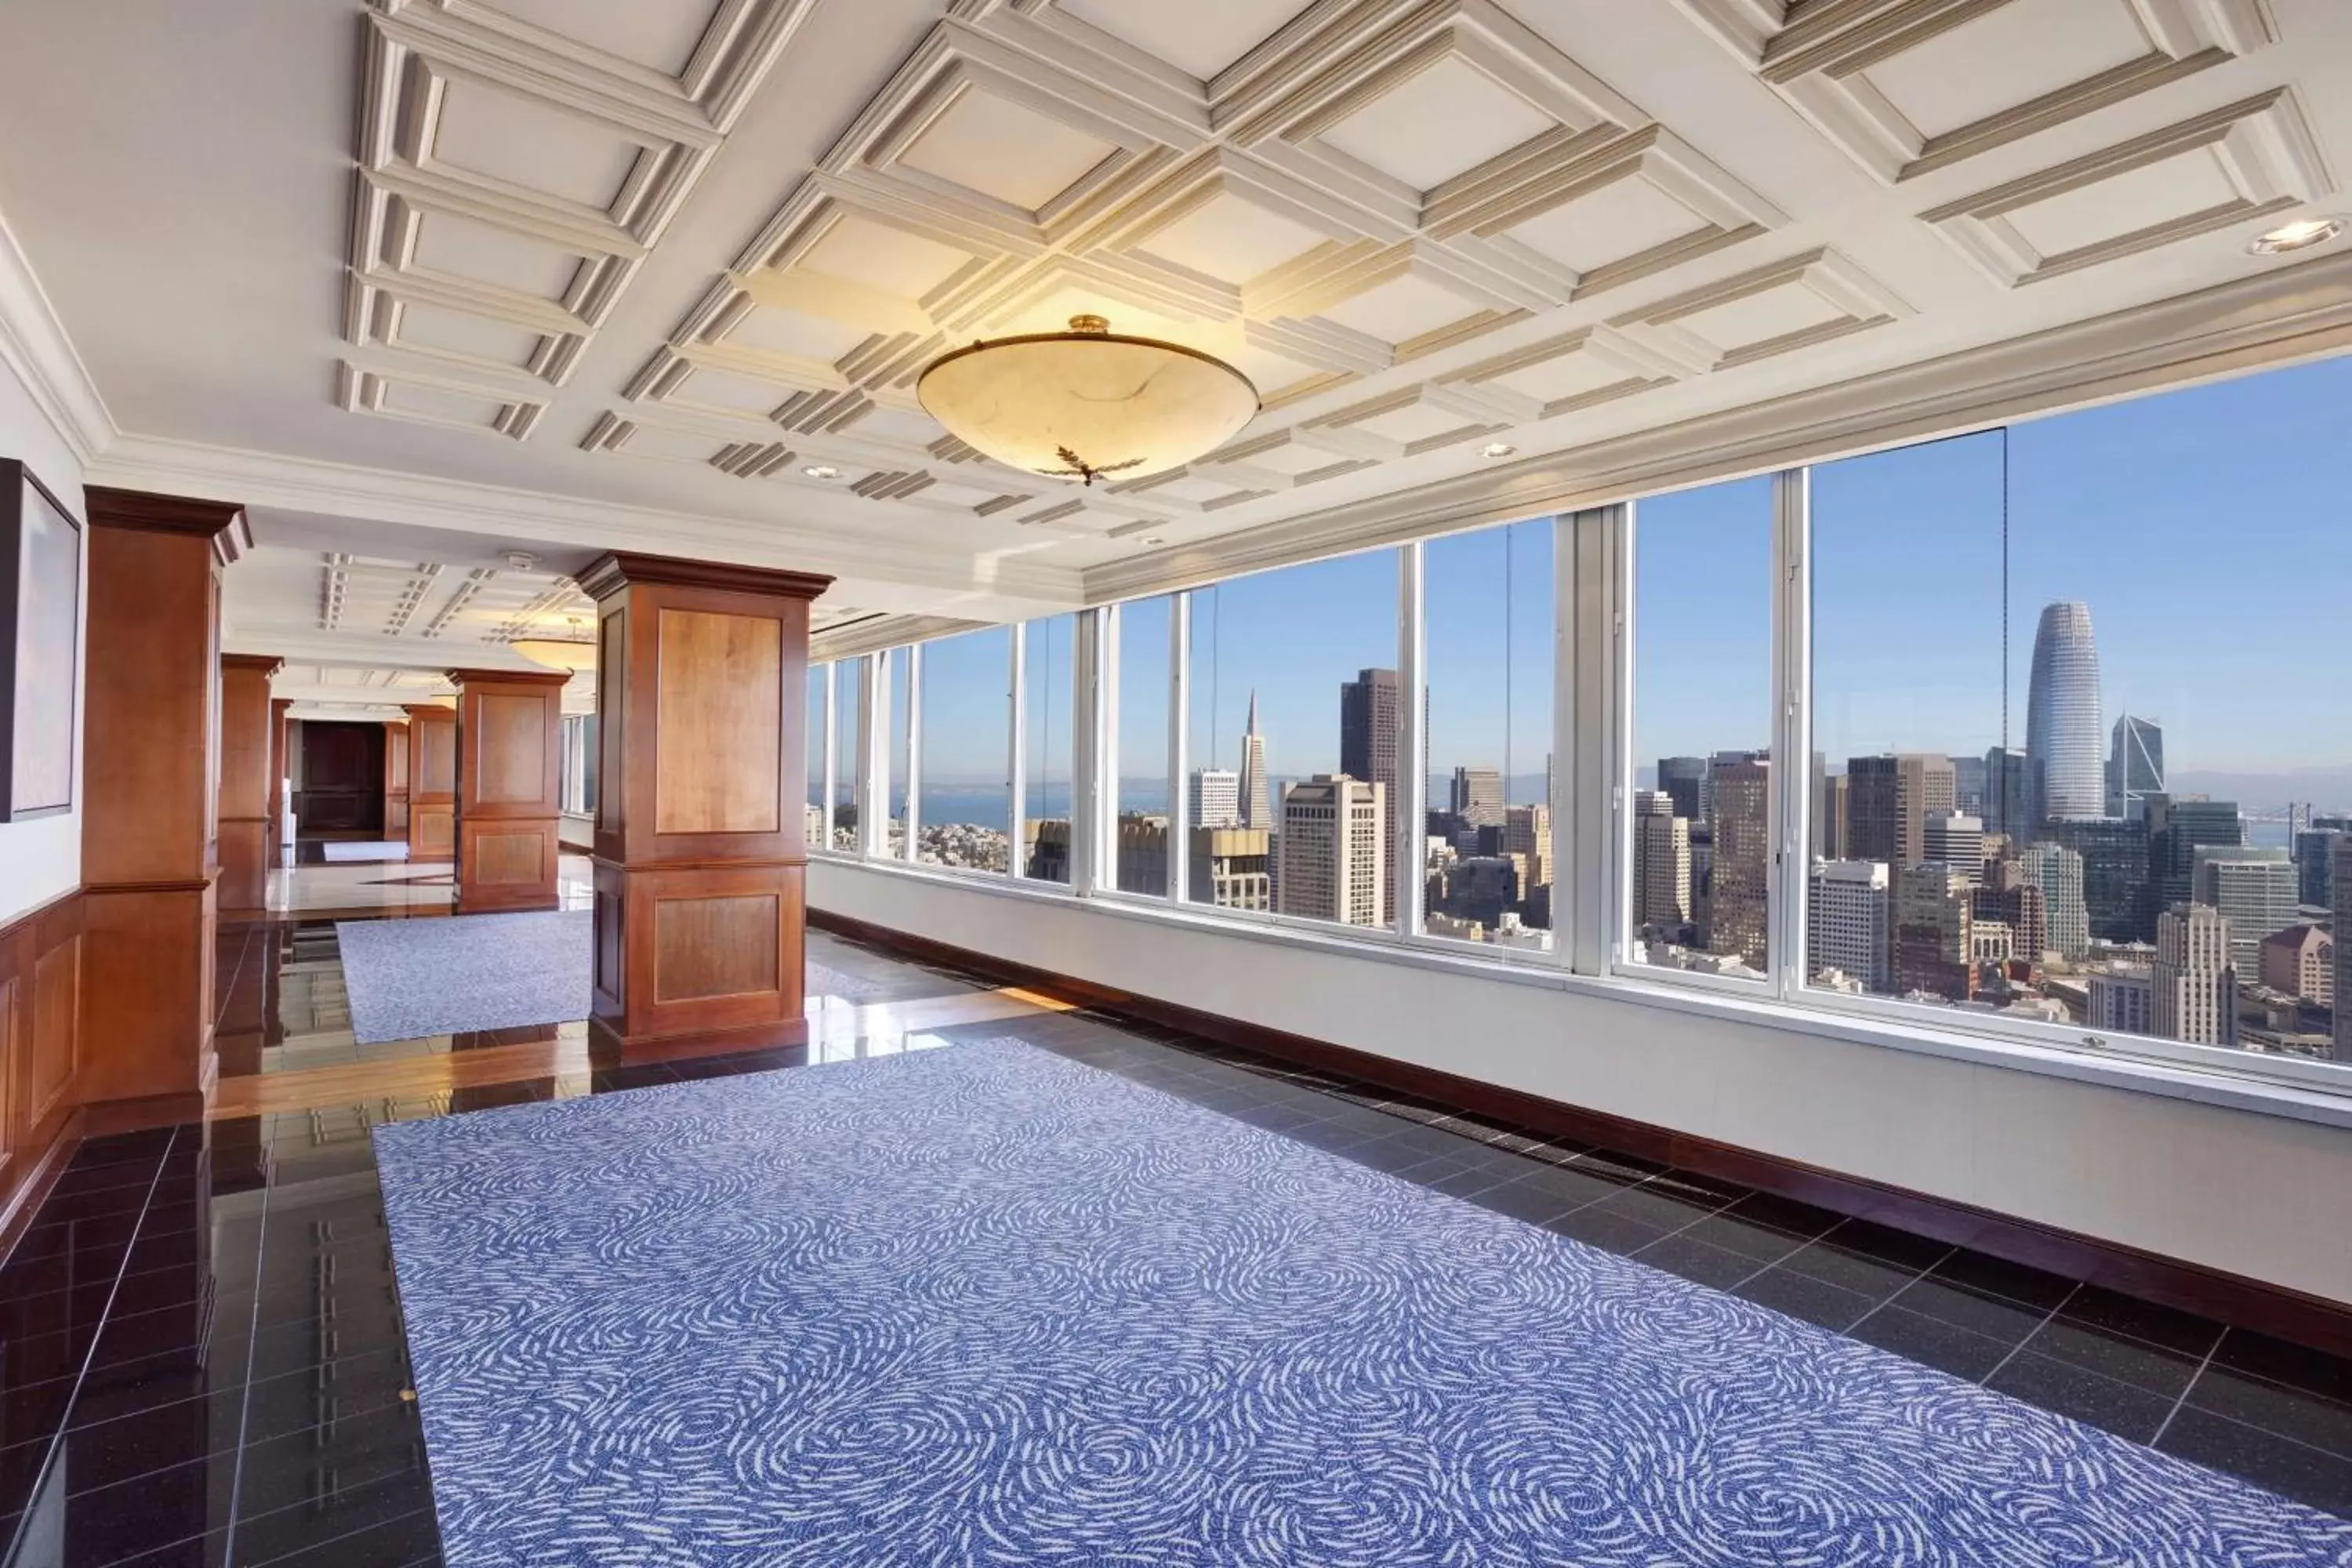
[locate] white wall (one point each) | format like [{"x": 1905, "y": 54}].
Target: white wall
[
  {"x": 41, "y": 858},
  {"x": 2250, "y": 1194}
]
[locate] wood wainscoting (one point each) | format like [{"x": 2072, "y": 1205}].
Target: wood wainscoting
[
  {"x": 509, "y": 756},
  {"x": 432, "y": 783},
  {"x": 41, "y": 1056},
  {"x": 2233, "y": 1299},
  {"x": 702, "y": 686}
]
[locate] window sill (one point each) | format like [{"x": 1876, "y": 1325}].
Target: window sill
[{"x": 2114, "y": 1070}]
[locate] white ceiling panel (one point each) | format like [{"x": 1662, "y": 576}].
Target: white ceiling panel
[{"x": 1442, "y": 122}]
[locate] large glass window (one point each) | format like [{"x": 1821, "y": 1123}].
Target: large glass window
[
  {"x": 1292, "y": 810},
  {"x": 2112, "y": 778},
  {"x": 1046, "y": 706},
  {"x": 1487, "y": 618},
  {"x": 898, "y": 663},
  {"x": 1142, "y": 799},
  {"x": 1698, "y": 861},
  {"x": 967, "y": 712},
  {"x": 848, "y": 707},
  {"x": 818, "y": 725}
]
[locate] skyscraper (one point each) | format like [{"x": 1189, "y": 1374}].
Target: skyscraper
[
  {"x": 1683, "y": 782},
  {"x": 2058, "y": 872},
  {"x": 1661, "y": 865},
  {"x": 1368, "y": 728},
  {"x": 2135, "y": 765},
  {"x": 1969, "y": 782},
  {"x": 1957, "y": 840},
  {"x": 2178, "y": 826},
  {"x": 2315, "y": 865},
  {"x": 1216, "y": 797},
  {"x": 1924, "y": 784},
  {"x": 1846, "y": 908},
  {"x": 1737, "y": 919},
  {"x": 1527, "y": 839},
  {"x": 1255, "y": 790},
  {"x": 2341, "y": 879},
  {"x": 1332, "y": 855},
  {"x": 1932, "y": 948},
  {"x": 1478, "y": 798},
  {"x": 2009, "y": 898},
  {"x": 2064, "y": 774},
  {"x": 2253, "y": 889},
  {"x": 2004, "y": 811},
  {"x": 1871, "y": 828},
  {"x": 1232, "y": 868},
  {"x": 1829, "y": 815},
  {"x": 2194, "y": 994}
]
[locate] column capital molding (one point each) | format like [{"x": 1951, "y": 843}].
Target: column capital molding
[
  {"x": 429, "y": 710},
  {"x": 618, "y": 570},
  {"x": 464, "y": 678},
  {"x": 262, "y": 663},
  {"x": 222, "y": 522}
]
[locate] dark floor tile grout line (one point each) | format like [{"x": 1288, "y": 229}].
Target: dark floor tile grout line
[
  {"x": 245, "y": 1398},
  {"x": 2034, "y": 1332},
  {"x": 1940, "y": 1259},
  {"x": 2187, "y": 1388},
  {"x": 81, "y": 1374}
]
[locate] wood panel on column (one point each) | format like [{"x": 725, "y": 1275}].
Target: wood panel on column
[
  {"x": 700, "y": 863},
  {"x": 432, "y": 783},
  {"x": 395, "y": 780},
  {"x": 152, "y": 754},
  {"x": 509, "y": 752},
  {"x": 41, "y": 1056},
  {"x": 244, "y": 809}
]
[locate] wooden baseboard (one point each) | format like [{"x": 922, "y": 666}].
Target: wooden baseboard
[
  {"x": 2233, "y": 1299},
  {"x": 609, "y": 1047},
  {"x": 104, "y": 1117}
]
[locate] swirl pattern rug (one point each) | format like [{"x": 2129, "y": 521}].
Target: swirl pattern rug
[{"x": 985, "y": 1305}]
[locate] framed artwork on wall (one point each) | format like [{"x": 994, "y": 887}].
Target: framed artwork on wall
[{"x": 40, "y": 647}]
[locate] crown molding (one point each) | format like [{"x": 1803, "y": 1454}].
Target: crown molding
[
  {"x": 34, "y": 345},
  {"x": 2301, "y": 311},
  {"x": 877, "y": 632},
  {"x": 338, "y": 490}
]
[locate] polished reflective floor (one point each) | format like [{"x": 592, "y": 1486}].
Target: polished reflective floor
[{"x": 203, "y": 1361}]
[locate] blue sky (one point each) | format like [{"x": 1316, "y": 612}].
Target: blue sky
[{"x": 2207, "y": 529}]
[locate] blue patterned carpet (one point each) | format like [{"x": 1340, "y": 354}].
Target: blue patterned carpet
[{"x": 985, "y": 1305}]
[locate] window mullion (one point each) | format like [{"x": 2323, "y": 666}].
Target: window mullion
[
  {"x": 1408, "y": 826},
  {"x": 1016, "y": 771},
  {"x": 914, "y": 749},
  {"x": 1179, "y": 690},
  {"x": 1792, "y": 745}
]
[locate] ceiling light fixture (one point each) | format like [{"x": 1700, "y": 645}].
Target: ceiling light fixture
[
  {"x": 573, "y": 653},
  {"x": 822, "y": 471},
  {"x": 1089, "y": 402},
  {"x": 2300, "y": 234},
  {"x": 1150, "y": 539},
  {"x": 1497, "y": 450}
]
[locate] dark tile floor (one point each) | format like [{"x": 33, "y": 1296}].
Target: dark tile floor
[{"x": 201, "y": 1358}]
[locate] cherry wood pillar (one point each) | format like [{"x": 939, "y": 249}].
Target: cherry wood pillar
[
  {"x": 395, "y": 780},
  {"x": 149, "y": 854},
  {"x": 701, "y": 692},
  {"x": 509, "y": 750},
  {"x": 244, "y": 811},
  {"x": 432, "y": 783},
  {"x": 281, "y": 734}
]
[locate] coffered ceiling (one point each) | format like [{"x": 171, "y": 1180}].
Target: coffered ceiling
[{"x": 564, "y": 275}]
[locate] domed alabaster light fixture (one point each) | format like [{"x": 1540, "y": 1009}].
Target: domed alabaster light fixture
[
  {"x": 1087, "y": 403},
  {"x": 574, "y": 652}
]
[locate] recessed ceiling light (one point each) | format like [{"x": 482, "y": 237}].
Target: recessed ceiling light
[
  {"x": 822, "y": 471},
  {"x": 2300, "y": 234},
  {"x": 1150, "y": 539},
  {"x": 1497, "y": 450}
]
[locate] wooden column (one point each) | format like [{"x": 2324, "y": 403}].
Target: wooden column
[
  {"x": 396, "y": 781},
  {"x": 281, "y": 734},
  {"x": 432, "y": 783},
  {"x": 701, "y": 688},
  {"x": 245, "y": 814},
  {"x": 149, "y": 855},
  {"x": 509, "y": 751}
]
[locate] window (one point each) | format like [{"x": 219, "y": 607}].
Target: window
[
  {"x": 819, "y": 727},
  {"x": 967, "y": 717},
  {"x": 2118, "y": 772},
  {"x": 1046, "y": 706},
  {"x": 1698, "y": 831},
  {"x": 1488, "y": 654},
  {"x": 898, "y": 713},
  {"x": 1142, "y": 798},
  {"x": 1284, "y": 821},
  {"x": 576, "y": 778},
  {"x": 848, "y": 709}
]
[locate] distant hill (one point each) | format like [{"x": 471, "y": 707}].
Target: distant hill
[{"x": 2328, "y": 789}]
